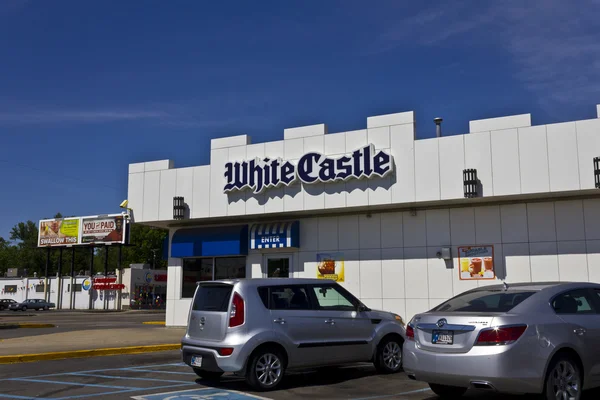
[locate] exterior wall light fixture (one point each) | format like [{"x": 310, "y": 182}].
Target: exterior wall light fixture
[
  {"x": 470, "y": 182},
  {"x": 597, "y": 171},
  {"x": 178, "y": 208}
]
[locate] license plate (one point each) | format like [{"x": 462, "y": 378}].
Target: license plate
[
  {"x": 442, "y": 337},
  {"x": 196, "y": 361}
]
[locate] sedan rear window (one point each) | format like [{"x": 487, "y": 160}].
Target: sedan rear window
[
  {"x": 485, "y": 301},
  {"x": 212, "y": 298}
]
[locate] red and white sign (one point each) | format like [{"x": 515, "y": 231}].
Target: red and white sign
[{"x": 107, "y": 284}]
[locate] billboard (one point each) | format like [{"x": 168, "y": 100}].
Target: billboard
[
  {"x": 58, "y": 232},
  {"x": 109, "y": 229},
  {"x": 102, "y": 229}
]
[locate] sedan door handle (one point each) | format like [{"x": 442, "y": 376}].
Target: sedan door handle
[
  {"x": 579, "y": 331},
  {"x": 279, "y": 321},
  {"x": 330, "y": 321}
]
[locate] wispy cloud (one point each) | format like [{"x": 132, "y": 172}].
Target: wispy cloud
[
  {"x": 554, "y": 44},
  {"x": 91, "y": 116}
]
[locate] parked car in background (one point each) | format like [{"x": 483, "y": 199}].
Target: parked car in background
[
  {"x": 526, "y": 338},
  {"x": 5, "y": 303},
  {"x": 259, "y": 328},
  {"x": 32, "y": 304}
]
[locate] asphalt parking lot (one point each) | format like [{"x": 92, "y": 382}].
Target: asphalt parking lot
[
  {"x": 67, "y": 321},
  {"x": 149, "y": 376},
  {"x": 162, "y": 376}
]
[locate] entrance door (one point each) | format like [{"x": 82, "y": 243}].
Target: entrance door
[{"x": 278, "y": 266}]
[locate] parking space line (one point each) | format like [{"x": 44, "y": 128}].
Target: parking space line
[
  {"x": 159, "y": 371},
  {"x": 73, "y": 383},
  {"x": 181, "y": 364},
  {"x": 141, "y": 368},
  {"x": 124, "y": 377},
  {"x": 393, "y": 395},
  {"x": 85, "y": 396}
]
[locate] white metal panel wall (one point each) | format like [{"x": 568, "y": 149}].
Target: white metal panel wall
[
  {"x": 168, "y": 190},
  {"x": 522, "y": 159},
  {"x": 533, "y": 160},
  {"x": 505, "y": 162}
]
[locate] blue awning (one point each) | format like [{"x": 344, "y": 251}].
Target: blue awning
[
  {"x": 210, "y": 242},
  {"x": 275, "y": 235}
]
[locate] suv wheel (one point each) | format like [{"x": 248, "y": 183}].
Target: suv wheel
[
  {"x": 563, "y": 379},
  {"x": 265, "y": 370},
  {"x": 208, "y": 375},
  {"x": 447, "y": 392},
  {"x": 388, "y": 358}
]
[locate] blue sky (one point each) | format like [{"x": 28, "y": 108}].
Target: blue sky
[{"x": 88, "y": 87}]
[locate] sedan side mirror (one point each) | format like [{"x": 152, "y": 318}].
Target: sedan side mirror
[{"x": 362, "y": 308}]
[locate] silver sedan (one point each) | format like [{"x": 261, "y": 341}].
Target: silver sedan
[{"x": 529, "y": 338}]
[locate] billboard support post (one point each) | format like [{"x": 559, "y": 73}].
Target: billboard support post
[
  {"x": 72, "y": 290},
  {"x": 59, "y": 279},
  {"x": 46, "y": 274},
  {"x": 106, "y": 276},
  {"x": 120, "y": 274},
  {"x": 91, "y": 306}
]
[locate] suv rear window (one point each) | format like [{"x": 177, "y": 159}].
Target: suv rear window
[
  {"x": 212, "y": 298},
  {"x": 485, "y": 301}
]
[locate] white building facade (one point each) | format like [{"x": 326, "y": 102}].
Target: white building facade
[
  {"x": 144, "y": 289},
  {"x": 388, "y": 216}
]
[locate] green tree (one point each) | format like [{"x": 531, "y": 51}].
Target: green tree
[{"x": 22, "y": 251}]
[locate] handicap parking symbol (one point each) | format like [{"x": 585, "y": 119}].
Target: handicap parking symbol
[{"x": 200, "y": 394}]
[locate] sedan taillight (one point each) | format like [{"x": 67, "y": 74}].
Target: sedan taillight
[
  {"x": 410, "y": 332},
  {"x": 500, "y": 335}
]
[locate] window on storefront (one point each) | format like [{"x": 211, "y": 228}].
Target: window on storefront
[
  {"x": 10, "y": 288},
  {"x": 76, "y": 287},
  {"x": 39, "y": 288},
  {"x": 208, "y": 269},
  {"x": 230, "y": 268}
]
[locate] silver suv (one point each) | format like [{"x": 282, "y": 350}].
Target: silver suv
[{"x": 259, "y": 328}]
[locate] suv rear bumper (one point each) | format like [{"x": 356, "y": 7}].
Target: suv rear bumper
[{"x": 211, "y": 360}]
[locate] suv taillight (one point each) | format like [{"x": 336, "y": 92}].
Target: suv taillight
[
  {"x": 236, "y": 318},
  {"x": 500, "y": 335},
  {"x": 410, "y": 332}
]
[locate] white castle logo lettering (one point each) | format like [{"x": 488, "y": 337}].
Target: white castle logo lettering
[{"x": 259, "y": 175}]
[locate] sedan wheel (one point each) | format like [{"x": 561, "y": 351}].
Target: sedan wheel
[
  {"x": 46, "y": 308},
  {"x": 23, "y": 308},
  {"x": 266, "y": 370},
  {"x": 563, "y": 380}
]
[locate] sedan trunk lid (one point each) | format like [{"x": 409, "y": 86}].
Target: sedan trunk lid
[{"x": 450, "y": 332}]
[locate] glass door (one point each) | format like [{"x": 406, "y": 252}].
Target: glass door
[{"x": 278, "y": 266}]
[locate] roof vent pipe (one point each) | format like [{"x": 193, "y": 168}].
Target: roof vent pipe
[{"x": 438, "y": 126}]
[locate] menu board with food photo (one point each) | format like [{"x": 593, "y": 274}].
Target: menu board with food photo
[
  {"x": 476, "y": 262},
  {"x": 330, "y": 266},
  {"x": 58, "y": 232},
  {"x": 109, "y": 229}
]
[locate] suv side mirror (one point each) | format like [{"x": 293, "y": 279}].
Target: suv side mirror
[{"x": 362, "y": 308}]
